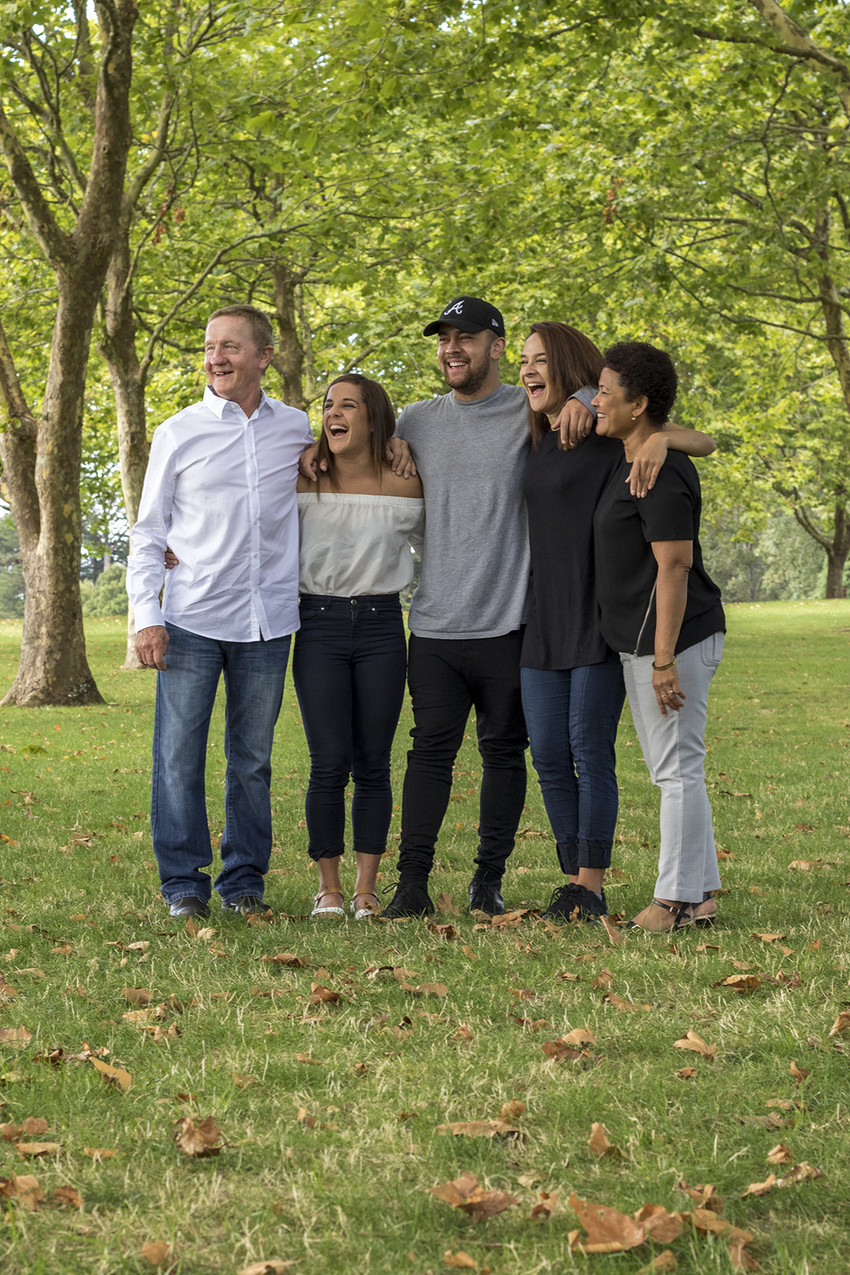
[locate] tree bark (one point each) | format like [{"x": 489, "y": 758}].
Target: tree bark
[
  {"x": 288, "y": 359},
  {"x": 43, "y": 471}
]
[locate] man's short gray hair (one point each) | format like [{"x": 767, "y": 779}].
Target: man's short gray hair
[{"x": 260, "y": 324}]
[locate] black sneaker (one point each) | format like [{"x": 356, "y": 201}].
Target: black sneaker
[
  {"x": 411, "y": 898},
  {"x": 189, "y": 907},
  {"x": 575, "y": 903},
  {"x": 484, "y": 895},
  {"x": 244, "y": 904}
]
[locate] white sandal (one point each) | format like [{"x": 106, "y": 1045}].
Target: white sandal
[
  {"x": 320, "y": 911},
  {"x": 371, "y": 909}
]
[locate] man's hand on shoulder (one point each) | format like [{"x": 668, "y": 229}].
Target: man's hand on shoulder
[
  {"x": 151, "y": 645},
  {"x": 400, "y": 457},
  {"x": 308, "y": 464}
]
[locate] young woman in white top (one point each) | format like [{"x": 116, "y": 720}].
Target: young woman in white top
[{"x": 349, "y": 663}]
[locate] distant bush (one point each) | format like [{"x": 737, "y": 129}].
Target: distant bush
[{"x": 105, "y": 596}]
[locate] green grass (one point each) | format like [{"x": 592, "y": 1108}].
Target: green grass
[{"x": 327, "y": 1163}]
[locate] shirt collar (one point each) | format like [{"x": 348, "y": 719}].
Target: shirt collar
[{"x": 220, "y": 405}]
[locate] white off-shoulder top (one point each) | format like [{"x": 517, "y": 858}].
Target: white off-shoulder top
[{"x": 356, "y": 544}]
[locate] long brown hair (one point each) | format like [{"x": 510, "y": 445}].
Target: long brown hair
[
  {"x": 381, "y": 417},
  {"x": 572, "y": 361}
]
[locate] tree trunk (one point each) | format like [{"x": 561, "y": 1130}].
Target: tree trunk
[
  {"x": 288, "y": 360},
  {"x": 837, "y": 554},
  {"x": 53, "y": 668},
  {"x": 129, "y": 379}
]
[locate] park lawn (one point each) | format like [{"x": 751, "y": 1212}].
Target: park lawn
[{"x": 332, "y": 1105}]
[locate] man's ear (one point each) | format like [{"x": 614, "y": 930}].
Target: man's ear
[
  {"x": 266, "y": 356},
  {"x": 497, "y": 349}
]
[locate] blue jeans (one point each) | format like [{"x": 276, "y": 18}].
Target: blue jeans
[
  {"x": 674, "y": 751},
  {"x": 185, "y": 693},
  {"x": 572, "y": 717},
  {"x": 349, "y": 665}
]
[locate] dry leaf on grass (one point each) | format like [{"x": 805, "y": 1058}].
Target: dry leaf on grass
[
  {"x": 480, "y": 1129},
  {"x": 760, "y": 1188},
  {"x": 665, "y": 1261},
  {"x": 197, "y": 1139},
  {"x": 68, "y": 1195},
  {"x": 24, "y": 1188},
  {"x": 512, "y": 1110},
  {"x": 599, "y": 1144},
  {"x": 695, "y": 1044},
  {"x": 741, "y": 983},
  {"x": 607, "y": 1230},
  {"x": 687, "y": 1073},
  {"x": 579, "y": 1036},
  {"x": 559, "y": 1051},
  {"x": 465, "y": 1194},
  {"x": 780, "y": 1154},
  {"x": 841, "y": 1024},
  {"x": 157, "y": 1252},
  {"x": 626, "y": 1006},
  {"x": 15, "y": 1036},
  {"x": 322, "y": 995},
  {"x": 460, "y": 1261},
  {"x": 274, "y": 1267},
  {"x": 31, "y": 1150},
  {"x": 661, "y": 1227},
  {"x": 799, "y": 1073},
  {"x": 702, "y": 1194},
  {"x": 113, "y": 1075},
  {"x": 30, "y": 1128},
  {"x": 800, "y": 1173},
  {"x": 443, "y": 931},
  {"x": 137, "y": 995},
  {"x": 546, "y": 1206},
  {"x": 99, "y": 1153}
]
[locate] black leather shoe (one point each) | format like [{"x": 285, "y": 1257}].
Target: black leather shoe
[
  {"x": 575, "y": 903},
  {"x": 189, "y": 907},
  {"x": 244, "y": 904},
  {"x": 411, "y": 898},
  {"x": 484, "y": 895}
]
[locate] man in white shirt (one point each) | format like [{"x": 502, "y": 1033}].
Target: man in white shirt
[{"x": 220, "y": 491}]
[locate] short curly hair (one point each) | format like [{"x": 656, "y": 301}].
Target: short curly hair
[{"x": 644, "y": 369}]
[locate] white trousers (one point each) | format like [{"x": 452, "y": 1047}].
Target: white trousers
[{"x": 674, "y": 751}]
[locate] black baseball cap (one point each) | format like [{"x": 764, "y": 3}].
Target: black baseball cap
[{"x": 470, "y": 314}]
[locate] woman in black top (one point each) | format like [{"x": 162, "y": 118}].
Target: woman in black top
[
  {"x": 662, "y": 612},
  {"x": 572, "y": 684}
]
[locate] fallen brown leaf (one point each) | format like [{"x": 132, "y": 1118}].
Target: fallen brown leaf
[
  {"x": 197, "y": 1139},
  {"x": 274, "y": 1267},
  {"x": 799, "y": 1073},
  {"x": 31, "y": 1127},
  {"x": 695, "y": 1044},
  {"x": 513, "y": 1109},
  {"x": 607, "y": 1230},
  {"x": 599, "y": 1144},
  {"x": 431, "y": 989},
  {"x": 841, "y": 1024},
  {"x": 543, "y": 1210},
  {"x": 99, "y": 1153},
  {"x": 68, "y": 1195},
  {"x": 560, "y": 1051},
  {"x": 15, "y": 1036},
  {"x": 780, "y": 1154},
  {"x": 157, "y": 1252},
  {"x": 579, "y": 1036},
  {"x": 322, "y": 995},
  {"x": 480, "y": 1129},
  {"x": 114, "y": 1075},
  {"x": 665, "y": 1261},
  {"x": 32, "y": 1150},
  {"x": 459, "y": 1261},
  {"x": 741, "y": 983},
  {"x": 137, "y": 995},
  {"x": 443, "y": 931},
  {"x": 702, "y": 1194},
  {"x": 465, "y": 1194},
  {"x": 289, "y": 959},
  {"x": 687, "y": 1073},
  {"x": 800, "y": 1173},
  {"x": 761, "y": 1188},
  {"x": 23, "y": 1187},
  {"x": 626, "y": 1006},
  {"x": 661, "y": 1227}
]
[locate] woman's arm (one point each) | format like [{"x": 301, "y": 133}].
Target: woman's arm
[
  {"x": 674, "y": 558},
  {"x": 652, "y": 455}
]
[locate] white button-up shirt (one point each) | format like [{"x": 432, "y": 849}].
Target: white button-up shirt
[{"x": 220, "y": 490}]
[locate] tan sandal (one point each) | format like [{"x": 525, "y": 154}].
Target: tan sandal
[
  {"x": 662, "y": 918},
  {"x": 320, "y": 909},
  {"x": 369, "y": 905}
]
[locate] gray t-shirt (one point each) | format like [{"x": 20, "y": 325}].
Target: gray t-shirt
[{"x": 475, "y": 559}]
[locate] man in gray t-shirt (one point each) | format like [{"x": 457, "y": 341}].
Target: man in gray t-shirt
[{"x": 466, "y": 616}]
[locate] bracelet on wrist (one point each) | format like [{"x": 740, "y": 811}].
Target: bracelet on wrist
[{"x": 659, "y": 668}]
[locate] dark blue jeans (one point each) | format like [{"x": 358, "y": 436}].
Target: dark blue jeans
[
  {"x": 448, "y": 677},
  {"x": 348, "y": 666},
  {"x": 185, "y": 693},
  {"x": 572, "y": 717}
]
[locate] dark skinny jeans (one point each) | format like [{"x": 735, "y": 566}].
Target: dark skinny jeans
[{"x": 348, "y": 667}]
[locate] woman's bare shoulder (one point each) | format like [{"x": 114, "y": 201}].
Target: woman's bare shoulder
[{"x": 393, "y": 485}]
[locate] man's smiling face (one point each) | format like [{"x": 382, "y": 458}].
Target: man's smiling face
[
  {"x": 233, "y": 364},
  {"x": 466, "y": 358}
]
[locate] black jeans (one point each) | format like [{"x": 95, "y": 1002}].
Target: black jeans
[
  {"x": 448, "y": 677},
  {"x": 348, "y": 668}
]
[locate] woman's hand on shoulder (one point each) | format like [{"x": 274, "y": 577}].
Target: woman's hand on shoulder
[{"x": 647, "y": 464}]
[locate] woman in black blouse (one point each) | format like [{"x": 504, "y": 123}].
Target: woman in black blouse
[
  {"x": 572, "y": 682},
  {"x": 662, "y": 612}
]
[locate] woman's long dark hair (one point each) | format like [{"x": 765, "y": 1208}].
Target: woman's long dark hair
[
  {"x": 381, "y": 417},
  {"x": 572, "y": 360}
]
